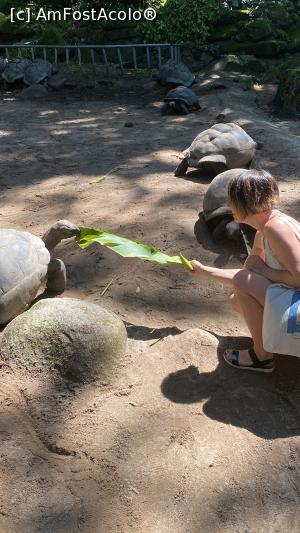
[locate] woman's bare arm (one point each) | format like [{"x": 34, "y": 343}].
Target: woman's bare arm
[
  {"x": 286, "y": 247},
  {"x": 258, "y": 246},
  {"x": 218, "y": 274}
]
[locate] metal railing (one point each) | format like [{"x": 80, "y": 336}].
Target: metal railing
[{"x": 152, "y": 55}]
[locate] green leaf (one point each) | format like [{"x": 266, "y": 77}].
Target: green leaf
[
  {"x": 101, "y": 178},
  {"x": 128, "y": 248},
  {"x": 98, "y": 179},
  {"x": 247, "y": 243}
]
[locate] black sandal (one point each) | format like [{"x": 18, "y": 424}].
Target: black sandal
[{"x": 257, "y": 365}]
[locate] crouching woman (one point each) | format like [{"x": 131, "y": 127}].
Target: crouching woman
[{"x": 275, "y": 258}]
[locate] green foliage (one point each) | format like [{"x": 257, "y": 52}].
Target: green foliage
[
  {"x": 223, "y": 33},
  {"x": 182, "y": 21},
  {"x": 128, "y": 248},
  {"x": 288, "y": 95},
  {"x": 258, "y": 29},
  {"x": 51, "y": 35},
  {"x": 234, "y": 16},
  {"x": 294, "y": 39},
  {"x": 12, "y": 33},
  {"x": 246, "y": 242}
]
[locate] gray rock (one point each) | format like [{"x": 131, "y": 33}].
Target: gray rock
[
  {"x": 57, "y": 82},
  {"x": 210, "y": 83},
  {"x": 80, "y": 339},
  {"x": 34, "y": 91}
]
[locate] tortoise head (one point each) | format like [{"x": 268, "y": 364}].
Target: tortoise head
[{"x": 63, "y": 229}]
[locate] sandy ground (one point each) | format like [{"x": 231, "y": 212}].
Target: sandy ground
[{"x": 173, "y": 442}]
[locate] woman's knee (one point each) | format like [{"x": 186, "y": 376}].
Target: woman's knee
[{"x": 241, "y": 280}]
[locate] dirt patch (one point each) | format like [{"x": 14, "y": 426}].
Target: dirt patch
[{"x": 174, "y": 441}]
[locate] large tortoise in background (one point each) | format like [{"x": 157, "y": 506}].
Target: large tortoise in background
[
  {"x": 25, "y": 263},
  {"x": 31, "y": 72},
  {"x": 217, "y": 213},
  {"x": 14, "y": 70},
  {"x": 221, "y": 147},
  {"x": 173, "y": 74},
  {"x": 37, "y": 72}
]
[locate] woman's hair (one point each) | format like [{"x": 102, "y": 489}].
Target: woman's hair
[{"x": 253, "y": 191}]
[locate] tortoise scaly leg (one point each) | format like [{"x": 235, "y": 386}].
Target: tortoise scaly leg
[
  {"x": 182, "y": 168},
  {"x": 56, "y": 276},
  {"x": 183, "y": 109}
]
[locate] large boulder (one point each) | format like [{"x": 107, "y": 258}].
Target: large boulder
[
  {"x": 79, "y": 339},
  {"x": 57, "y": 82},
  {"x": 247, "y": 64},
  {"x": 34, "y": 91}
]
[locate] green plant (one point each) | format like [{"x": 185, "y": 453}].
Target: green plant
[
  {"x": 181, "y": 21},
  {"x": 51, "y": 35},
  {"x": 128, "y": 248}
]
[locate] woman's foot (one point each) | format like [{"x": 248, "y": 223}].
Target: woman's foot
[{"x": 248, "y": 360}]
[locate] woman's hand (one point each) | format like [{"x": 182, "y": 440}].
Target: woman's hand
[
  {"x": 198, "y": 268},
  {"x": 256, "y": 264}
]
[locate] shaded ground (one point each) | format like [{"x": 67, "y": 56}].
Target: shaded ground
[{"x": 174, "y": 441}]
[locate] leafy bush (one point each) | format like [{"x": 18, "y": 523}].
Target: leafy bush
[
  {"x": 51, "y": 35},
  {"x": 288, "y": 95},
  {"x": 258, "y": 29},
  {"x": 181, "y": 21}
]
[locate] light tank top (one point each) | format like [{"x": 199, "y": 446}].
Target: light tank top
[{"x": 270, "y": 257}]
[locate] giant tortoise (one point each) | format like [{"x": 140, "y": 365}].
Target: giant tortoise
[
  {"x": 14, "y": 70},
  {"x": 216, "y": 211},
  {"x": 25, "y": 263},
  {"x": 221, "y": 147},
  {"x": 37, "y": 71},
  {"x": 180, "y": 100},
  {"x": 173, "y": 73}
]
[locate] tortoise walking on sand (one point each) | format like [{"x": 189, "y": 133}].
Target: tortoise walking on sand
[
  {"x": 180, "y": 100},
  {"x": 221, "y": 147},
  {"x": 26, "y": 262}
]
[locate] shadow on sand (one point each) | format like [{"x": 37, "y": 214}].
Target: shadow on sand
[{"x": 264, "y": 404}]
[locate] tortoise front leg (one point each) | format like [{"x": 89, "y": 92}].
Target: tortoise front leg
[
  {"x": 184, "y": 110},
  {"x": 182, "y": 168},
  {"x": 56, "y": 276}
]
